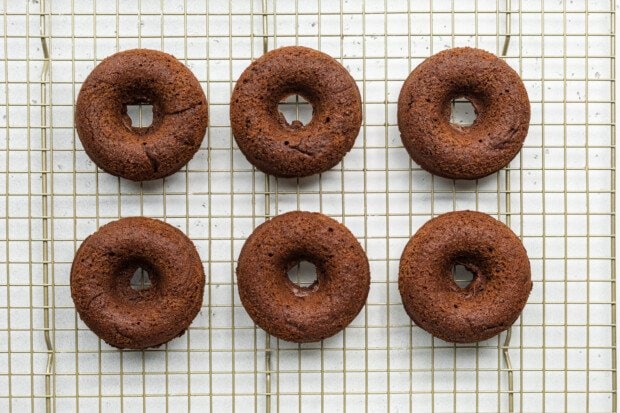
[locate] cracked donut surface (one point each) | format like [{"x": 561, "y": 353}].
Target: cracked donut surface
[
  {"x": 285, "y": 309},
  {"x": 499, "y": 99},
  {"x": 125, "y": 317},
  {"x": 490, "y": 251},
  {"x": 141, "y": 76},
  {"x": 265, "y": 137}
]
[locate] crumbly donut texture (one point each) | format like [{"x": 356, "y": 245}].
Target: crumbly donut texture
[
  {"x": 490, "y": 303},
  {"x": 141, "y": 76},
  {"x": 283, "y": 308},
  {"x": 125, "y": 317},
  {"x": 264, "y": 136},
  {"x": 500, "y": 101}
]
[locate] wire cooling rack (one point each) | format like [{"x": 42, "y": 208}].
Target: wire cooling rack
[{"x": 557, "y": 195}]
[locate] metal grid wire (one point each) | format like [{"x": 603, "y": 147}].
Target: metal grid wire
[{"x": 557, "y": 195}]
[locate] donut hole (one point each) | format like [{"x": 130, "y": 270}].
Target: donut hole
[
  {"x": 303, "y": 274},
  {"x": 462, "y": 276},
  {"x": 296, "y": 110},
  {"x": 141, "y": 116},
  {"x": 462, "y": 113},
  {"x": 141, "y": 280}
]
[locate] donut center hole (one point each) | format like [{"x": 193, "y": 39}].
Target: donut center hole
[
  {"x": 462, "y": 112},
  {"x": 303, "y": 274},
  {"x": 141, "y": 116},
  {"x": 462, "y": 276},
  {"x": 141, "y": 280},
  {"x": 296, "y": 110}
]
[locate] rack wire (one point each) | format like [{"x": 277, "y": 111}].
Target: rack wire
[{"x": 557, "y": 195}]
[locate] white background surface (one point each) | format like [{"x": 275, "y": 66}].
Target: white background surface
[{"x": 380, "y": 361}]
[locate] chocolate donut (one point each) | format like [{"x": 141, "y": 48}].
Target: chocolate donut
[
  {"x": 490, "y": 251},
  {"x": 125, "y": 317},
  {"x": 141, "y": 76},
  {"x": 264, "y": 136},
  {"x": 285, "y": 309},
  {"x": 499, "y": 99}
]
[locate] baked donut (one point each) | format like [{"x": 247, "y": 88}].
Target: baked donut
[
  {"x": 120, "y": 315},
  {"x": 285, "y": 309},
  {"x": 141, "y": 76},
  {"x": 264, "y": 136},
  {"x": 500, "y": 102},
  {"x": 490, "y": 251}
]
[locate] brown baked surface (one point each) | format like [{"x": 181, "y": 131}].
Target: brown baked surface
[
  {"x": 292, "y": 150},
  {"x": 498, "y": 96},
  {"x": 100, "y": 282},
  {"x": 487, "y": 248},
  {"x": 141, "y": 76},
  {"x": 291, "y": 312}
]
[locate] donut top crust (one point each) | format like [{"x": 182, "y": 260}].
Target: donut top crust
[
  {"x": 486, "y": 247},
  {"x": 293, "y": 150},
  {"x": 283, "y": 308},
  {"x": 141, "y": 76},
  {"x": 500, "y": 101},
  {"x": 122, "y": 316}
]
